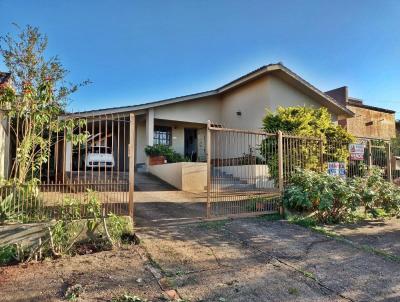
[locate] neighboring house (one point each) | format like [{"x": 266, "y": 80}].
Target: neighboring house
[
  {"x": 181, "y": 122},
  {"x": 5, "y": 80},
  {"x": 368, "y": 121}
]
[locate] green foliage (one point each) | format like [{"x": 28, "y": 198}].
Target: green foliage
[
  {"x": 71, "y": 209},
  {"x": 375, "y": 192},
  {"x": 328, "y": 196},
  {"x": 8, "y": 254},
  {"x": 73, "y": 292},
  {"x": 37, "y": 98},
  {"x": 163, "y": 150},
  {"x": 128, "y": 298},
  {"x": 332, "y": 199},
  {"x": 117, "y": 226},
  {"x": 20, "y": 202},
  {"x": 8, "y": 210},
  {"x": 307, "y": 122}
]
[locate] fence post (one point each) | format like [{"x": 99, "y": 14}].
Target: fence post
[
  {"x": 208, "y": 145},
  {"x": 389, "y": 162},
  {"x": 321, "y": 153},
  {"x": 280, "y": 167},
  {"x": 369, "y": 155},
  {"x": 131, "y": 155}
]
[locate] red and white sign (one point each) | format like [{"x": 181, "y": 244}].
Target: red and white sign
[{"x": 356, "y": 151}]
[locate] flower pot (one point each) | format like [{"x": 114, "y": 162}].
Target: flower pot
[
  {"x": 260, "y": 207},
  {"x": 156, "y": 160}
]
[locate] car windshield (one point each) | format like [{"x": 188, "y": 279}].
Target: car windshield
[{"x": 99, "y": 149}]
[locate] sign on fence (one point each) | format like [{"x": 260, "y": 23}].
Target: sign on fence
[
  {"x": 337, "y": 169},
  {"x": 356, "y": 151}
]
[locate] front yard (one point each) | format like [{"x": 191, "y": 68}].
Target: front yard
[{"x": 253, "y": 259}]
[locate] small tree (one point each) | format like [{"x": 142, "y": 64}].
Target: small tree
[
  {"x": 35, "y": 100},
  {"x": 306, "y": 122}
]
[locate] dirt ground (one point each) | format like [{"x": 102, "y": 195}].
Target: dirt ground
[
  {"x": 250, "y": 259},
  {"x": 103, "y": 276}
]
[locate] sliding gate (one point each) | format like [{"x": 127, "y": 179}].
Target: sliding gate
[{"x": 242, "y": 172}]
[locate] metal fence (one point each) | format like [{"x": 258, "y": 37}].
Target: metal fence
[
  {"x": 84, "y": 157},
  {"x": 248, "y": 170},
  {"x": 241, "y": 176}
]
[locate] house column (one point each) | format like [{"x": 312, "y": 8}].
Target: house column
[{"x": 149, "y": 127}]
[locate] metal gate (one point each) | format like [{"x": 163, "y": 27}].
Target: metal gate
[
  {"x": 84, "y": 157},
  {"x": 243, "y": 172},
  {"x": 248, "y": 170}
]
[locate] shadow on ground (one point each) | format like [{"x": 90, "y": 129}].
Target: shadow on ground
[{"x": 259, "y": 260}]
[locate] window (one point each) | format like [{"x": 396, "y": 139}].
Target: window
[{"x": 162, "y": 135}]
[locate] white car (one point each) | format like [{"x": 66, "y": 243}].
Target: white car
[{"x": 99, "y": 157}]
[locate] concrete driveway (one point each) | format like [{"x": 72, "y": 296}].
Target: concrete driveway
[
  {"x": 157, "y": 203},
  {"x": 260, "y": 260}
]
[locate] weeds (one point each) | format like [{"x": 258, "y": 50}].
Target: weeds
[
  {"x": 73, "y": 292},
  {"x": 213, "y": 225},
  {"x": 67, "y": 235},
  {"x": 128, "y": 298}
]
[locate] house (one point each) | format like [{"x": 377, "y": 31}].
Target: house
[
  {"x": 181, "y": 122},
  {"x": 368, "y": 121}
]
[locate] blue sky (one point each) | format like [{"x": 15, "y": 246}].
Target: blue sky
[{"x": 139, "y": 51}]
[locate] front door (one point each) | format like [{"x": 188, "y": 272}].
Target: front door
[{"x": 191, "y": 143}]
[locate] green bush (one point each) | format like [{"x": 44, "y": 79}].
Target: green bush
[
  {"x": 328, "y": 196},
  {"x": 162, "y": 150},
  {"x": 306, "y": 122},
  {"x": 374, "y": 192},
  {"x": 332, "y": 199}
]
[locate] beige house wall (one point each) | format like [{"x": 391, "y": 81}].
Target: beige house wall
[
  {"x": 196, "y": 111},
  {"x": 189, "y": 177},
  {"x": 255, "y": 99}
]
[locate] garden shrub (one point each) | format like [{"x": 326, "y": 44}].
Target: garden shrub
[
  {"x": 327, "y": 196},
  {"x": 332, "y": 199},
  {"x": 374, "y": 192}
]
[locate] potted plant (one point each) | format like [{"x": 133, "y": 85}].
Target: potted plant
[{"x": 156, "y": 154}]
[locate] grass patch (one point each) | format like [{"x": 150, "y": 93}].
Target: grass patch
[
  {"x": 293, "y": 291},
  {"x": 309, "y": 275},
  {"x": 213, "y": 225},
  {"x": 269, "y": 217}
]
